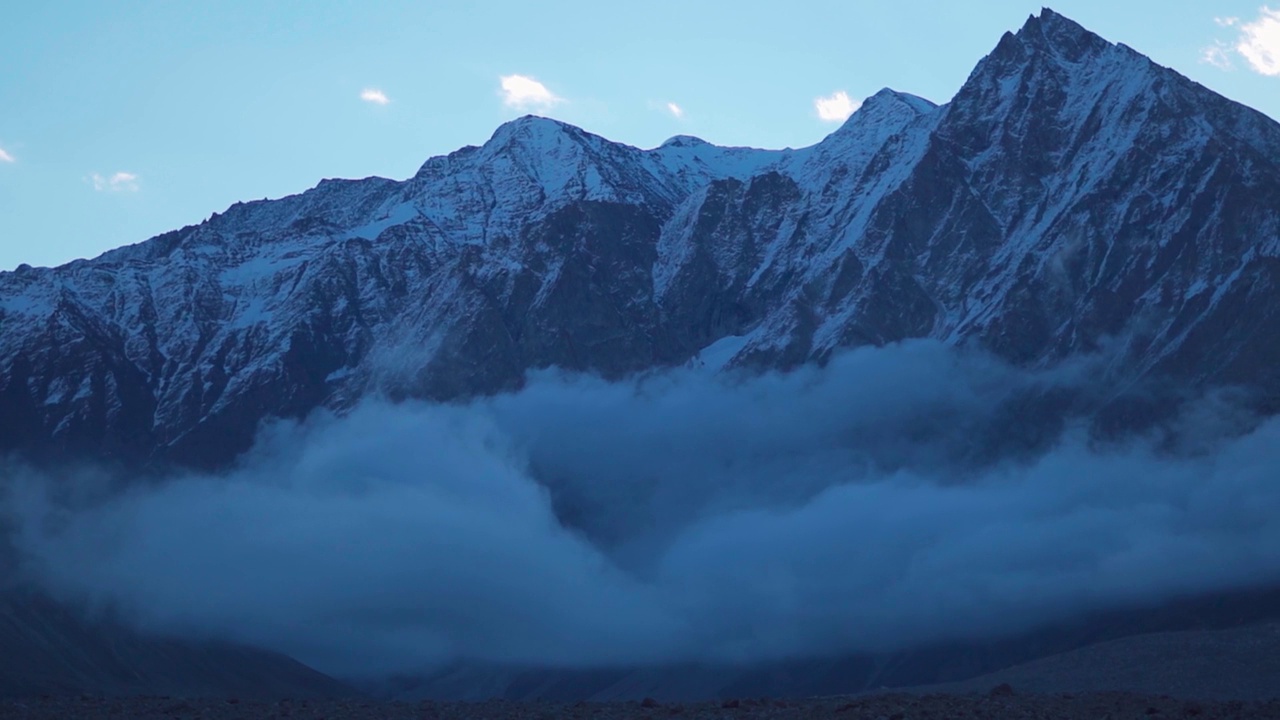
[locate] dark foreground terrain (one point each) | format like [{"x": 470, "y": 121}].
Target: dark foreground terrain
[
  {"x": 1001, "y": 702},
  {"x": 1234, "y": 664},
  {"x": 47, "y": 648}
]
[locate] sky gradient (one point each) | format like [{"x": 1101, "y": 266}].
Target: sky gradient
[{"x": 121, "y": 121}]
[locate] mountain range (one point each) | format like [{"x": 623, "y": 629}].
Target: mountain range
[{"x": 1073, "y": 198}]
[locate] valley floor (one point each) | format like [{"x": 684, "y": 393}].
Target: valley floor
[{"x": 999, "y": 703}]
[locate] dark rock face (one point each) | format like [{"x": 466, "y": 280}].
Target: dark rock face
[{"x": 1072, "y": 196}]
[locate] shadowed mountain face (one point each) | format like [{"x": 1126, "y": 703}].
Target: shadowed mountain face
[
  {"x": 50, "y": 650},
  {"x": 1073, "y": 196}
]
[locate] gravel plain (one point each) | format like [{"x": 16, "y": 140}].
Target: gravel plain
[{"x": 1001, "y": 702}]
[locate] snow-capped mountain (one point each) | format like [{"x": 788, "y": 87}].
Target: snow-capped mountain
[{"x": 1072, "y": 195}]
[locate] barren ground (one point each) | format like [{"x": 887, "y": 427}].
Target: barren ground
[{"x": 994, "y": 704}]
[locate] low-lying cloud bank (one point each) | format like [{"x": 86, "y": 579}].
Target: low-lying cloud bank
[{"x": 581, "y": 523}]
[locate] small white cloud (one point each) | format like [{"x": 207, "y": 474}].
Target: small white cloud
[
  {"x": 1259, "y": 42},
  {"x": 523, "y": 92},
  {"x": 119, "y": 182},
  {"x": 5, "y": 156},
  {"x": 1216, "y": 55},
  {"x": 675, "y": 110},
  {"x": 836, "y": 107},
  {"x": 375, "y": 96},
  {"x": 1227, "y": 21}
]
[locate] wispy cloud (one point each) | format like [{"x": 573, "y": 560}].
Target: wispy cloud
[
  {"x": 375, "y": 96},
  {"x": 5, "y": 156},
  {"x": 1217, "y": 55},
  {"x": 836, "y": 107},
  {"x": 523, "y": 92},
  {"x": 118, "y": 182},
  {"x": 1259, "y": 42},
  {"x": 675, "y": 110}
]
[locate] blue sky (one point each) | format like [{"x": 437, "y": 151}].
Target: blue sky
[{"x": 122, "y": 120}]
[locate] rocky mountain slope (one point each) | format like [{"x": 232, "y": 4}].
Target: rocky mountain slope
[
  {"x": 1073, "y": 196},
  {"x": 47, "y": 649}
]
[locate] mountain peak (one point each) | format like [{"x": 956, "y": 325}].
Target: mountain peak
[
  {"x": 1049, "y": 51},
  {"x": 1052, "y": 32},
  {"x": 1050, "y": 19},
  {"x": 1048, "y": 76},
  {"x": 683, "y": 141},
  {"x": 530, "y": 128},
  {"x": 888, "y": 97},
  {"x": 1047, "y": 15},
  {"x": 883, "y": 114}
]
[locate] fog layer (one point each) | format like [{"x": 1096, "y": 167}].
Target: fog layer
[{"x": 685, "y": 516}]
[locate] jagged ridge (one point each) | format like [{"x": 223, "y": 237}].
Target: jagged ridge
[{"x": 1072, "y": 195}]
